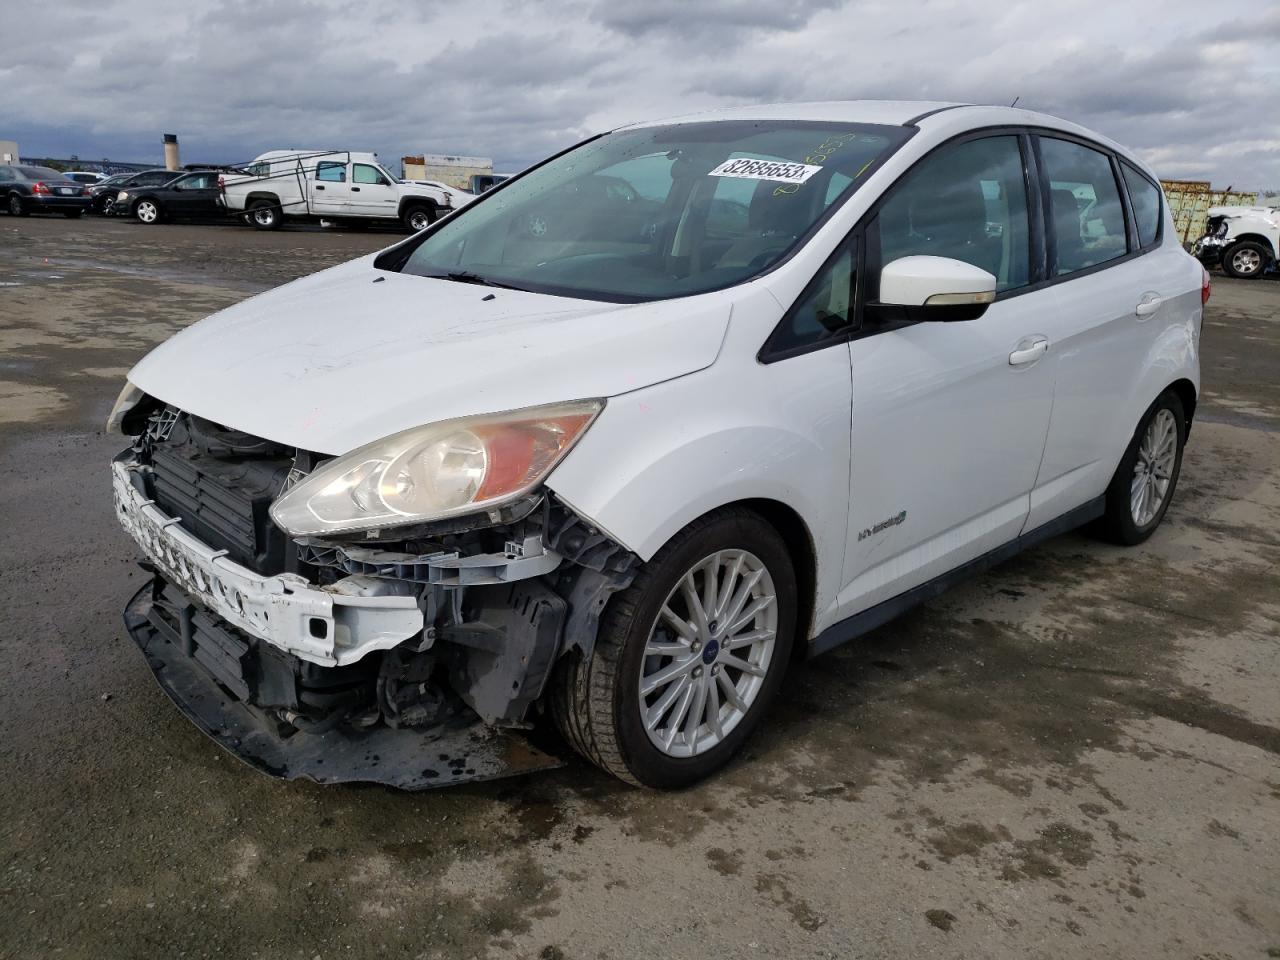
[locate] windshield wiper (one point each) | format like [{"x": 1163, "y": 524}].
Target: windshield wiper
[{"x": 465, "y": 276}]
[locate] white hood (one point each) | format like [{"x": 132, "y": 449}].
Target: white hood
[{"x": 352, "y": 354}]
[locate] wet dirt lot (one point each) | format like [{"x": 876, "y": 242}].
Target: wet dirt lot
[{"x": 1075, "y": 755}]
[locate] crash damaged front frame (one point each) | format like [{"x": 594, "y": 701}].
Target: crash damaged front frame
[
  {"x": 406, "y": 758},
  {"x": 413, "y": 663}
]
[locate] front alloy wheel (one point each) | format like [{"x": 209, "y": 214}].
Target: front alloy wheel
[
  {"x": 1244, "y": 260},
  {"x": 708, "y": 653},
  {"x": 147, "y": 211},
  {"x": 687, "y": 658}
]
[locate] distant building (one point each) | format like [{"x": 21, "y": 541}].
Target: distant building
[
  {"x": 450, "y": 170},
  {"x": 8, "y": 151}
]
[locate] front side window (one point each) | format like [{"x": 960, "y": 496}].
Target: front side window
[
  {"x": 967, "y": 201},
  {"x": 331, "y": 172},
  {"x": 201, "y": 181},
  {"x": 363, "y": 173},
  {"x": 823, "y": 311},
  {"x": 1144, "y": 197},
  {"x": 657, "y": 212},
  {"x": 1086, "y": 216}
]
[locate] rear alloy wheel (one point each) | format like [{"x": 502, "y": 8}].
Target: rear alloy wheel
[
  {"x": 1244, "y": 260},
  {"x": 688, "y": 658},
  {"x": 265, "y": 215},
  {"x": 16, "y": 207},
  {"x": 146, "y": 211},
  {"x": 1143, "y": 485},
  {"x": 419, "y": 218}
]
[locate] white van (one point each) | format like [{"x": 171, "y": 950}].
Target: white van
[{"x": 608, "y": 447}]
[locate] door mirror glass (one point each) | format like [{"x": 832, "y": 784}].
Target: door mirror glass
[{"x": 933, "y": 288}]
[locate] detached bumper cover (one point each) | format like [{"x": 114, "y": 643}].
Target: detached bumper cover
[
  {"x": 323, "y": 627},
  {"x": 403, "y": 758}
]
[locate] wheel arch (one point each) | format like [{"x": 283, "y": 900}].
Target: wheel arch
[
  {"x": 1186, "y": 391},
  {"x": 1260, "y": 238},
  {"x": 408, "y": 203},
  {"x": 796, "y": 535},
  {"x": 257, "y": 195}
]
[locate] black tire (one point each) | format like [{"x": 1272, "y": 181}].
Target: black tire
[
  {"x": 419, "y": 216},
  {"x": 1118, "y": 524},
  {"x": 265, "y": 215},
  {"x": 16, "y": 207},
  {"x": 1245, "y": 260},
  {"x": 73, "y": 214},
  {"x": 595, "y": 702}
]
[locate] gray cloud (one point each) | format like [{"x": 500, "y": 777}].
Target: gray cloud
[{"x": 1187, "y": 88}]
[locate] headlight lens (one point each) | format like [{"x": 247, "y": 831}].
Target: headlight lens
[
  {"x": 122, "y": 195},
  {"x": 129, "y": 398},
  {"x": 435, "y": 471}
]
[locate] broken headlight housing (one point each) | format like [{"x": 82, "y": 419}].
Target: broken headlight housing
[{"x": 435, "y": 471}]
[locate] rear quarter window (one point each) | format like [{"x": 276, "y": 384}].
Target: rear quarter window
[{"x": 1144, "y": 197}]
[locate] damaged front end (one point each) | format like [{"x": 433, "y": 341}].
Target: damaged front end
[{"x": 414, "y": 657}]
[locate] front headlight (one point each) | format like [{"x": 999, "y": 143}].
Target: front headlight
[
  {"x": 122, "y": 195},
  {"x": 435, "y": 471},
  {"x": 129, "y": 398}
]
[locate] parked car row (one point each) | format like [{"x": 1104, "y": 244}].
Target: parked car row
[{"x": 335, "y": 187}]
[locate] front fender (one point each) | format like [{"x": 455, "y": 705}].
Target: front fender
[{"x": 658, "y": 458}]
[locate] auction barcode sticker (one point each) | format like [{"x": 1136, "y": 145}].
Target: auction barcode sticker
[{"x": 748, "y": 168}]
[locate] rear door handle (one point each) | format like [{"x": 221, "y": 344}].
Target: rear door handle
[
  {"x": 1148, "y": 305},
  {"x": 1029, "y": 350},
  {"x": 319, "y": 187},
  {"x": 355, "y": 189}
]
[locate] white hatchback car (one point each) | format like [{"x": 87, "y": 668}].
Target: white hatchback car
[{"x": 615, "y": 442}]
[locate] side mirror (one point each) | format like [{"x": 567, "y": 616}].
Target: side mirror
[{"x": 933, "y": 288}]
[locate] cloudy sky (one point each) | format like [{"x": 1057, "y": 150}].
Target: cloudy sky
[{"x": 1185, "y": 83}]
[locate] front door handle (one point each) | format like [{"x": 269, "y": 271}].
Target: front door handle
[
  {"x": 355, "y": 189},
  {"x": 1148, "y": 305},
  {"x": 1029, "y": 350}
]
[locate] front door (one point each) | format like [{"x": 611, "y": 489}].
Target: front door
[
  {"x": 948, "y": 419},
  {"x": 372, "y": 194},
  {"x": 195, "y": 196}
]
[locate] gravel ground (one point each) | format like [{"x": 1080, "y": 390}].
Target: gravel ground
[{"x": 1075, "y": 755}]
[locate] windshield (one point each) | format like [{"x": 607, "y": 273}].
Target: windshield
[{"x": 656, "y": 212}]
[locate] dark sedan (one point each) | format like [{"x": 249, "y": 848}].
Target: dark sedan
[
  {"x": 102, "y": 195},
  {"x": 131, "y": 184},
  {"x": 29, "y": 189},
  {"x": 192, "y": 196}
]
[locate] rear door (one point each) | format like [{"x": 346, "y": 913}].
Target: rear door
[
  {"x": 330, "y": 188},
  {"x": 1108, "y": 304},
  {"x": 372, "y": 193},
  {"x": 948, "y": 419}
]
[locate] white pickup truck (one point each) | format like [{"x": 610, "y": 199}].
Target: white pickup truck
[{"x": 337, "y": 186}]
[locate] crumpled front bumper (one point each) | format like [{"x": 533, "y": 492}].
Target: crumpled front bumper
[
  {"x": 407, "y": 759},
  {"x": 322, "y": 626}
]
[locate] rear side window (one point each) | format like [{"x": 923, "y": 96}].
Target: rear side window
[
  {"x": 331, "y": 171},
  {"x": 1144, "y": 197},
  {"x": 1085, "y": 211},
  {"x": 967, "y": 201}
]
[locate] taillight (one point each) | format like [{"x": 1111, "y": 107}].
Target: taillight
[
  {"x": 222, "y": 184},
  {"x": 40, "y": 188},
  {"x": 1204, "y": 286},
  {"x": 84, "y": 192}
]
